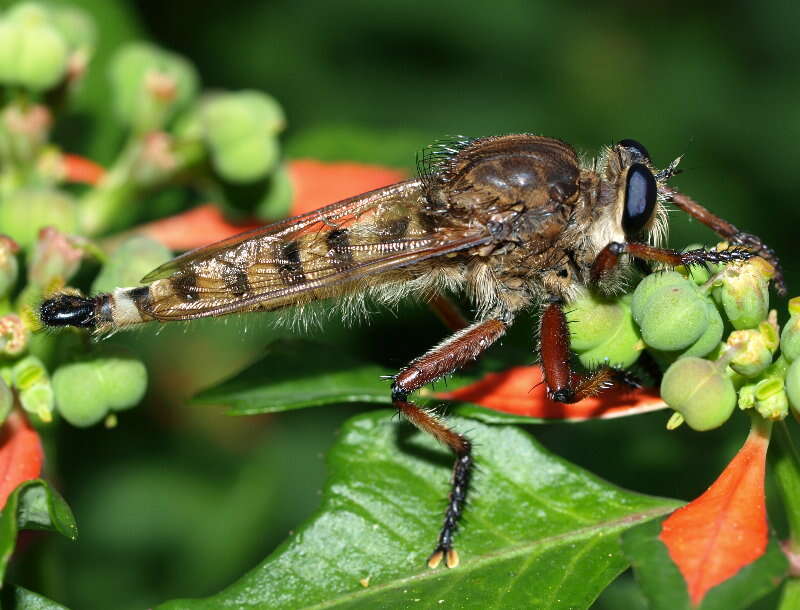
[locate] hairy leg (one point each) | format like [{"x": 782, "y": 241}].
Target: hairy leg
[{"x": 450, "y": 355}]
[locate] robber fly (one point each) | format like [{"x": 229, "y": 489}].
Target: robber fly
[{"x": 515, "y": 222}]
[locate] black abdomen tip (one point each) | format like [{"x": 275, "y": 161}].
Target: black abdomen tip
[{"x": 69, "y": 310}]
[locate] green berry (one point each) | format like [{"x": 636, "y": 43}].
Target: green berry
[
  {"x": 24, "y": 212},
  {"x": 149, "y": 85},
  {"x": 123, "y": 381},
  {"x": 700, "y": 392},
  {"x": 712, "y": 335},
  {"x": 592, "y": 320},
  {"x": 792, "y": 384},
  {"x": 86, "y": 391},
  {"x": 790, "y": 339},
  {"x": 674, "y": 319},
  {"x": 130, "y": 262},
  {"x": 241, "y": 130},
  {"x": 648, "y": 286}
]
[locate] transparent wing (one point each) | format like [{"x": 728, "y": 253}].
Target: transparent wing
[{"x": 319, "y": 253}]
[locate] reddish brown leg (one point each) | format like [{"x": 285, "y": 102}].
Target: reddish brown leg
[
  {"x": 610, "y": 255},
  {"x": 563, "y": 385},
  {"x": 729, "y": 232},
  {"x": 448, "y": 312},
  {"x": 442, "y": 360}
]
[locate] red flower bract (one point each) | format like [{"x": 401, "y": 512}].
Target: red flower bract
[
  {"x": 21, "y": 454},
  {"x": 725, "y": 529}
]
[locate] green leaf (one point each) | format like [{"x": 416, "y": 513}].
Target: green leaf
[
  {"x": 15, "y": 597},
  {"x": 296, "y": 374},
  {"x": 34, "y": 505},
  {"x": 538, "y": 532},
  {"x": 665, "y": 587}
]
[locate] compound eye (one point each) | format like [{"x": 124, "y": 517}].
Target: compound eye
[
  {"x": 637, "y": 150},
  {"x": 640, "y": 199}
]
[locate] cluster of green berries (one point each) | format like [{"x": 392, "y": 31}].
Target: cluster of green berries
[
  {"x": 710, "y": 328},
  {"x": 99, "y": 383}
]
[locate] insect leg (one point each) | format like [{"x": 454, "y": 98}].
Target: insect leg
[
  {"x": 563, "y": 385},
  {"x": 609, "y": 256},
  {"x": 448, "y": 312},
  {"x": 448, "y": 356},
  {"x": 729, "y": 232}
]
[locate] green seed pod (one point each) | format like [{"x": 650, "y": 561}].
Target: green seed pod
[
  {"x": 592, "y": 320},
  {"x": 712, "y": 335},
  {"x": 620, "y": 348},
  {"x": 86, "y": 391},
  {"x": 6, "y": 400},
  {"x": 771, "y": 399},
  {"x": 699, "y": 391},
  {"x": 240, "y": 129},
  {"x": 648, "y": 286},
  {"x": 77, "y": 394},
  {"x": 123, "y": 382},
  {"x": 129, "y": 263},
  {"x": 790, "y": 337},
  {"x": 76, "y": 27},
  {"x": 792, "y": 384},
  {"x": 23, "y": 213},
  {"x": 149, "y": 85},
  {"x": 675, "y": 317},
  {"x": 33, "y": 53},
  {"x": 752, "y": 353},
  {"x": 744, "y": 293},
  {"x": 9, "y": 266}
]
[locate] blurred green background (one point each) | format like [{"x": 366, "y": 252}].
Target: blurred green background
[{"x": 179, "y": 501}]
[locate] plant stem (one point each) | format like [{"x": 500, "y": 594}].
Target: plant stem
[{"x": 787, "y": 473}]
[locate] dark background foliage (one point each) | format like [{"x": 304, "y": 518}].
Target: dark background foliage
[{"x": 179, "y": 501}]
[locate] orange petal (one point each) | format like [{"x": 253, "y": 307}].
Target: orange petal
[
  {"x": 21, "y": 454},
  {"x": 519, "y": 391},
  {"x": 193, "y": 228},
  {"x": 317, "y": 184},
  {"x": 80, "y": 169},
  {"x": 725, "y": 529}
]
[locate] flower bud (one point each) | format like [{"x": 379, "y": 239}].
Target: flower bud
[
  {"x": 27, "y": 210},
  {"x": 648, "y": 286},
  {"x": 33, "y": 53},
  {"x": 792, "y": 384},
  {"x": 128, "y": 264},
  {"x": 13, "y": 335},
  {"x": 54, "y": 260},
  {"x": 699, "y": 391},
  {"x": 149, "y": 85},
  {"x": 675, "y": 317},
  {"x": 751, "y": 352},
  {"x": 790, "y": 336},
  {"x": 240, "y": 129},
  {"x": 9, "y": 266},
  {"x": 744, "y": 293},
  {"x": 86, "y": 391},
  {"x": 771, "y": 399}
]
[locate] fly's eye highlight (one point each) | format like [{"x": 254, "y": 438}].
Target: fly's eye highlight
[
  {"x": 640, "y": 199},
  {"x": 637, "y": 149}
]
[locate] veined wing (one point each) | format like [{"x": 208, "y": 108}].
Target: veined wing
[{"x": 280, "y": 264}]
